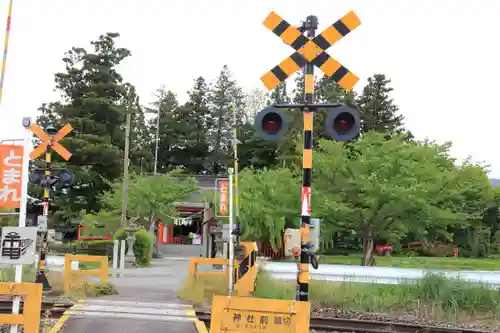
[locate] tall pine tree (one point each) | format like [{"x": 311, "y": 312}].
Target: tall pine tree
[
  {"x": 378, "y": 111},
  {"x": 164, "y": 107},
  {"x": 198, "y": 112},
  {"x": 223, "y": 94},
  {"x": 94, "y": 101},
  {"x": 279, "y": 95}
]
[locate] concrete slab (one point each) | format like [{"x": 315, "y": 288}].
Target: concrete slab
[
  {"x": 147, "y": 302},
  {"x": 100, "y": 325},
  {"x": 95, "y": 315},
  {"x": 180, "y": 250}
]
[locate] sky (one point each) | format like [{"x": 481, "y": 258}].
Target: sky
[{"x": 443, "y": 57}]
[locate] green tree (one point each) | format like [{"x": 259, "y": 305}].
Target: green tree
[
  {"x": 329, "y": 92},
  {"x": 224, "y": 94},
  {"x": 287, "y": 145},
  {"x": 279, "y": 95},
  {"x": 147, "y": 194},
  {"x": 104, "y": 220},
  {"x": 194, "y": 134},
  {"x": 254, "y": 152},
  {"x": 491, "y": 218},
  {"x": 378, "y": 111},
  {"x": 268, "y": 199},
  {"x": 94, "y": 100},
  {"x": 255, "y": 101},
  {"x": 141, "y": 154},
  {"x": 383, "y": 189},
  {"x": 299, "y": 86},
  {"x": 164, "y": 107},
  {"x": 150, "y": 198}
]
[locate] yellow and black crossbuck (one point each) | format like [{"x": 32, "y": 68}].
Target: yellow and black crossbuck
[{"x": 311, "y": 50}]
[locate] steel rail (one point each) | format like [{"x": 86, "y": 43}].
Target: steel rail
[
  {"x": 54, "y": 308},
  {"x": 329, "y": 324}
]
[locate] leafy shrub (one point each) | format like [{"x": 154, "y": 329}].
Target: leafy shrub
[
  {"x": 143, "y": 248},
  {"x": 120, "y": 235},
  {"x": 105, "y": 288},
  {"x": 90, "y": 247}
]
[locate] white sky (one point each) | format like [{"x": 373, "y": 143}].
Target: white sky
[{"x": 442, "y": 56}]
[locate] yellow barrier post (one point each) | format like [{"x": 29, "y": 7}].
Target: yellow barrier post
[
  {"x": 194, "y": 262},
  {"x": 246, "y": 274},
  {"x": 102, "y": 272},
  {"x": 32, "y": 294}
]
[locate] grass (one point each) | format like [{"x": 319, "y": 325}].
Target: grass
[
  {"x": 432, "y": 298},
  {"x": 80, "y": 287},
  {"x": 449, "y": 263},
  {"x": 90, "y": 265},
  {"x": 199, "y": 291}
]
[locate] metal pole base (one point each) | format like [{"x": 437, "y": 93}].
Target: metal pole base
[{"x": 41, "y": 278}]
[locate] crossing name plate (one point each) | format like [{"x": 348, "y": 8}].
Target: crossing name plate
[{"x": 247, "y": 314}]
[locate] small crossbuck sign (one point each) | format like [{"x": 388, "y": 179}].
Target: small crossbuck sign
[
  {"x": 311, "y": 51},
  {"x": 53, "y": 141}
]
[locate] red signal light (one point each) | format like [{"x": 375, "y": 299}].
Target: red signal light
[
  {"x": 272, "y": 123},
  {"x": 343, "y": 123}
]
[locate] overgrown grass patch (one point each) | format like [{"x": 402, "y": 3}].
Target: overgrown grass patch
[
  {"x": 199, "y": 291},
  {"x": 434, "y": 297},
  {"x": 80, "y": 287},
  {"x": 449, "y": 263}
]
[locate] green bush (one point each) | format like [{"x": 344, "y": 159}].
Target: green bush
[
  {"x": 143, "y": 248},
  {"x": 89, "y": 247},
  {"x": 120, "y": 235}
]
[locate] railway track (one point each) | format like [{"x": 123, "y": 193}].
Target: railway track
[
  {"x": 56, "y": 309},
  {"x": 329, "y": 324}
]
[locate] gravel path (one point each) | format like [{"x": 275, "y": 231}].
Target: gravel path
[{"x": 486, "y": 324}]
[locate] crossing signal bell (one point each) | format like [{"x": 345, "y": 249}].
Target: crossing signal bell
[
  {"x": 343, "y": 123},
  {"x": 271, "y": 123}
]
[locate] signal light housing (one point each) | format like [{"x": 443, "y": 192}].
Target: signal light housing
[
  {"x": 59, "y": 179},
  {"x": 271, "y": 123},
  {"x": 343, "y": 123}
]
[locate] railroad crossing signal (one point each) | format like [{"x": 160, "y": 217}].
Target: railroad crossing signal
[
  {"x": 311, "y": 51},
  {"x": 342, "y": 123},
  {"x": 52, "y": 138}
]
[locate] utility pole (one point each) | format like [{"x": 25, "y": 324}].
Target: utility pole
[
  {"x": 235, "y": 157},
  {"x": 126, "y": 163},
  {"x": 230, "y": 266},
  {"x": 157, "y": 143}
]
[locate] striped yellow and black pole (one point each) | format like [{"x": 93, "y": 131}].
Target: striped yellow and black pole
[
  {"x": 5, "y": 49},
  {"x": 41, "y": 278},
  {"x": 46, "y": 194},
  {"x": 303, "y": 269}
]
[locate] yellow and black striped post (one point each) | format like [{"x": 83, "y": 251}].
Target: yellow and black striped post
[
  {"x": 41, "y": 277},
  {"x": 303, "y": 266},
  {"x": 309, "y": 51}
]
